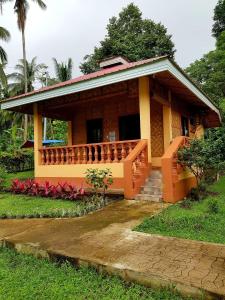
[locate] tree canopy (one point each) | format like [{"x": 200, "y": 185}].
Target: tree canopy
[
  {"x": 131, "y": 36},
  {"x": 219, "y": 19},
  {"x": 209, "y": 71}
]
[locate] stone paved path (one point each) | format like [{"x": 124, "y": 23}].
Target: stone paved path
[{"x": 105, "y": 240}]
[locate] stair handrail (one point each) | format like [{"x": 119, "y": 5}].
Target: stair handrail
[
  {"x": 136, "y": 169},
  {"x": 171, "y": 168}
]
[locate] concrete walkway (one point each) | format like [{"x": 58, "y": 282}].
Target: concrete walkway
[{"x": 105, "y": 239}]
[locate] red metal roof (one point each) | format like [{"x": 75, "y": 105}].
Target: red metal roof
[{"x": 100, "y": 73}]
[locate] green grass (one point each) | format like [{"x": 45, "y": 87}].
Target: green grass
[
  {"x": 25, "y": 277},
  {"x": 20, "y": 175},
  {"x": 20, "y": 206},
  {"x": 196, "y": 223}
]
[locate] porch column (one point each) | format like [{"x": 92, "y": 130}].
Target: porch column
[
  {"x": 144, "y": 108},
  {"x": 167, "y": 123},
  {"x": 70, "y": 133},
  {"x": 37, "y": 135}
]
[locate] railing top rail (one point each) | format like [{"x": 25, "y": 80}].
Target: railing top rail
[
  {"x": 89, "y": 145},
  {"x": 174, "y": 146},
  {"x": 136, "y": 151}
]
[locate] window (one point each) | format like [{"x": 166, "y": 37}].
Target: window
[{"x": 185, "y": 126}]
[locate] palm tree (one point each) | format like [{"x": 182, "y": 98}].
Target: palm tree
[
  {"x": 17, "y": 87},
  {"x": 63, "y": 70},
  {"x": 21, "y": 8},
  {"x": 4, "y": 36}
]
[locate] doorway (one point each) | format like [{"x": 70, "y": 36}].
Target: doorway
[
  {"x": 94, "y": 131},
  {"x": 129, "y": 127}
]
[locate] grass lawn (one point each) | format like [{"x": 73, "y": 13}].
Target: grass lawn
[
  {"x": 196, "y": 222},
  {"x": 21, "y": 206},
  {"x": 21, "y": 175},
  {"x": 25, "y": 277}
]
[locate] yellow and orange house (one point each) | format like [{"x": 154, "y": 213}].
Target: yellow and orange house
[{"x": 129, "y": 117}]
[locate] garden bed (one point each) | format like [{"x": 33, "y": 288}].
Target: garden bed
[
  {"x": 25, "y": 277},
  {"x": 203, "y": 220}
]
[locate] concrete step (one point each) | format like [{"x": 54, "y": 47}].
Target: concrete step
[
  {"x": 147, "y": 189},
  {"x": 146, "y": 197}
]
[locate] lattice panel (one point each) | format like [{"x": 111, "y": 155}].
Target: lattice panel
[
  {"x": 176, "y": 124},
  {"x": 157, "y": 137}
]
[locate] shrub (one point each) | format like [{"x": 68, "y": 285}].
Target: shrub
[
  {"x": 213, "y": 206},
  {"x": 187, "y": 203},
  {"x": 3, "y": 175},
  {"x": 194, "y": 194},
  {"x": 60, "y": 191},
  {"x": 18, "y": 161},
  {"x": 99, "y": 180}
]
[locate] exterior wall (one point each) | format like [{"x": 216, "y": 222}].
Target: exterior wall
[
  {"x": 109, "y": 110},
  {"x": 178, "y": 110},
  {"x": 76, "y": 173}
]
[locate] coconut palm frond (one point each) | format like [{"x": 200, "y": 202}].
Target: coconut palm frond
[{"x": 63, "y": 70}]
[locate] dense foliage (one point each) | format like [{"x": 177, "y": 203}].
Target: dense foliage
[
  {"x": 17, "y": 161},
  {"x": 131, "y": 36},
  {"x": 209, "y": 71},
  {"x": 219, "y": 19},
  {"x": 203, "y": 157}
]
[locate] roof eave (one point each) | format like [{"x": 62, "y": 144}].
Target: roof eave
[{"x": 160, "y": 65}]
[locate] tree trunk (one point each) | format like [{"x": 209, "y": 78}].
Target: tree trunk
[{"x": 25, "y": 136}]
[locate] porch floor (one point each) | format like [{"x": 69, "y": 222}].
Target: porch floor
[{"x": 106, "y": 241}]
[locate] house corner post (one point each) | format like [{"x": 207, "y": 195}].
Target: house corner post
[
  {"x": 70, "y": 133},
  {"x": 144, "y": 108},
  {"x": 37, "y": 136}
]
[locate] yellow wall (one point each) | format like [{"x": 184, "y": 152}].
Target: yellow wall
[
  {"x": 68, "y": 171},
  {"x": 144, "y": 107}
]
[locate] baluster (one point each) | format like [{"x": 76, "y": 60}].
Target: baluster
[
  {"x": 102, "y": 154},
  {"x": 78, "y": 155},
  {"x": 73, "y": 155},
  {"x": 89, "y": 155},
  {"x": 56, "y": 156},
  {"x": 47, "y": 157},
  {"x": 143, "y": 160},
  {"x": 84, "y": 154},
  {"x": 108, "y": 154},
  {"x": 95, "y": 154},
  {"x": 129, "y": 148},
  {"x": 52, "y": 156},
  {"x": 123, "y": 152},
  {"x": 62, "y": 156},
  {"x": 42, "y": 157},
  {"x": 115, "y": 154}
]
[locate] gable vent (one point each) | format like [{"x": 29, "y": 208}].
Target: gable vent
[{"x": 113, "y": 61}]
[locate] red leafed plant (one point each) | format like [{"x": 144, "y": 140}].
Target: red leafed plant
[
  {"x": 18, "y": 187},
  {"x": 59, "y": 191}
]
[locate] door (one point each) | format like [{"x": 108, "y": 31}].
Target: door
[
  {"x": 129, "y": 127},
  {"x": 94, "y": 131}
]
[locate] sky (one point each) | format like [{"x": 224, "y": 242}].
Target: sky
[{"x": 72, "y": 28}]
